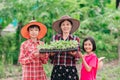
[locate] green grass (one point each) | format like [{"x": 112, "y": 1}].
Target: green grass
[{"x": 110, "y": 71}]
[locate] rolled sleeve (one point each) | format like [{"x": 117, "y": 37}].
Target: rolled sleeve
[{"x": 25, "y": 58}]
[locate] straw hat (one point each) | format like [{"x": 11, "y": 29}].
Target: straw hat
[
  {"x": 75, "y": 25},
  {"x": 43, "y": 30}
]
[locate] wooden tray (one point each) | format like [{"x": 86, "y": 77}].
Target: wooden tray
[{"x": 57, "y": 50}]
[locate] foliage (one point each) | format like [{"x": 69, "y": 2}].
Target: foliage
[
  {"x": 61, "y": 44},
  {"x": 98, "y": 18},
  {"x": 8, "y": 53},
  {"x": 105, "y": 29}
]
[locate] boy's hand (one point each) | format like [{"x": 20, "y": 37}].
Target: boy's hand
[
  {"x": 43, "y": 55},
  {"x": 52, "y": 54},
  {"x": 36, "y": 53}
]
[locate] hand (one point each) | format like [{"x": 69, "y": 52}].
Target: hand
[
  {"x": 36, "y": 53},
  {"x": 101, "y": 59},
  {"x": 72, "y": 53},
  {"x": 43, "y": 55},
  {"x": 52, "y": 54},
  {"x": 80, "y": 54}
]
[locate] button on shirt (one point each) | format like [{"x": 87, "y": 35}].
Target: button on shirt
[{"x": 32, "y": 68}]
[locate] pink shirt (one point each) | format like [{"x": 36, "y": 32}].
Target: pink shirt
[{"x": 92, "y": 61}]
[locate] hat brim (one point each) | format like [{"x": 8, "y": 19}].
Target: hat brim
[
  {"x": 57, "y": 28},
  {"x": 42, "y": 33}
]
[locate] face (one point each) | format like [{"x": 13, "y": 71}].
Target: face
[
  {"x": 66, "y": 26},
  {"x": 33, "y": 32},
  {"x": 88, "y": 46}
]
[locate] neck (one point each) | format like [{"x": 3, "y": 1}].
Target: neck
[
  {"x": 88, "y": 53},
  {"x": 34, "y": 39},
  {"x": 65, "y": 35}
]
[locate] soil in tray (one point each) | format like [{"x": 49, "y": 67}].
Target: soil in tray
[{"x": 57, "y": 50}]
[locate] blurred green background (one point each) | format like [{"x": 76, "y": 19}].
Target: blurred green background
[{"x": 98, "y": 18}]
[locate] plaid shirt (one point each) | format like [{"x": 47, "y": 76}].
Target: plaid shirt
[
  {"x": 32, "y": 66},
  {"x": 64, "y": 58}
]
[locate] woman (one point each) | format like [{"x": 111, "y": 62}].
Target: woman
[{"x": 64, "y": 63}]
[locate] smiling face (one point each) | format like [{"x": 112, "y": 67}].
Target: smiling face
[
  {"x": 33, "y": 32},
  {"x": 88, "y": 46},
  {"x": 66, "y": 26}
]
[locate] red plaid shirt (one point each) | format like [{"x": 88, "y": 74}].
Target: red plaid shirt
[
  {"x": 32, "y": 66},
  {"x": 64, "y": 58}
]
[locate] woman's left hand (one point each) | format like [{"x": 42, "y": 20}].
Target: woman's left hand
[{"x": 72, "y": 53}]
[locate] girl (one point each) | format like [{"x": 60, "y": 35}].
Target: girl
[
  {"x": 89, "y": 60},
  {"x": 30, "y": 58}
]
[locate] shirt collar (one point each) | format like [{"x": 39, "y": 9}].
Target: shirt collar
[
  {"x": 69, "y": 37},
  {"x": 31, "y": 41}
]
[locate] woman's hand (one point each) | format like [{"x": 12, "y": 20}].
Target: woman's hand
[{"x": 72, "y": 53}]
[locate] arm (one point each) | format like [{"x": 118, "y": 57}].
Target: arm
[
  {"x": 25, "y": 57},
  {"x": 51, "y": 55},
  {"x": 44, "y": 58},
  {"x": 100, "y": 63},
  {"x": 87, "y": 67},
  {"x": 75, "y": 54}
]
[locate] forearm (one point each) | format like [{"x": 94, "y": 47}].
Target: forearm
[
  {"x": 75, "y": 55},
  {"x": 26, "y": 59},
  {"x": 51, "y": 55},
  {"x": 44, "y": 58},
  {"x": 87, "y": 67}
]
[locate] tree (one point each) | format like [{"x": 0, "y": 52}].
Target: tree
[
  {"x": 117, "y": 3},
  {"x": 0, "y": 29}
]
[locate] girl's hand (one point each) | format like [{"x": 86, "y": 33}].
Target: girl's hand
[
  {"x": 100, "y": 62},
  {"x": 101, "y": 58},
  {"x": 80, "y": 54}
]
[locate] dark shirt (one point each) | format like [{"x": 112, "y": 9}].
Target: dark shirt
[{"x": 65, "y": 58}]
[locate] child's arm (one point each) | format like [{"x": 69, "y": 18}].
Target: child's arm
[
  {"x": 87, "y": 67},
  {"x": 24, "y": 57},
  {"x": 44, "y": 57},
  {"x": 100, "y": 62}
]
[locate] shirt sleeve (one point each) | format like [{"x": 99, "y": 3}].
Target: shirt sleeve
[
  {"x": 54, "y": 38},
  {"x": 24, "y": 57},
  {"x": 77, "y": 57},
  {"x": 44, "y": 59},
  {"x": 93, "y": 61}
]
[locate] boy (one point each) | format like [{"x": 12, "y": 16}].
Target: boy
[{"x": 30, "y": 58}]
